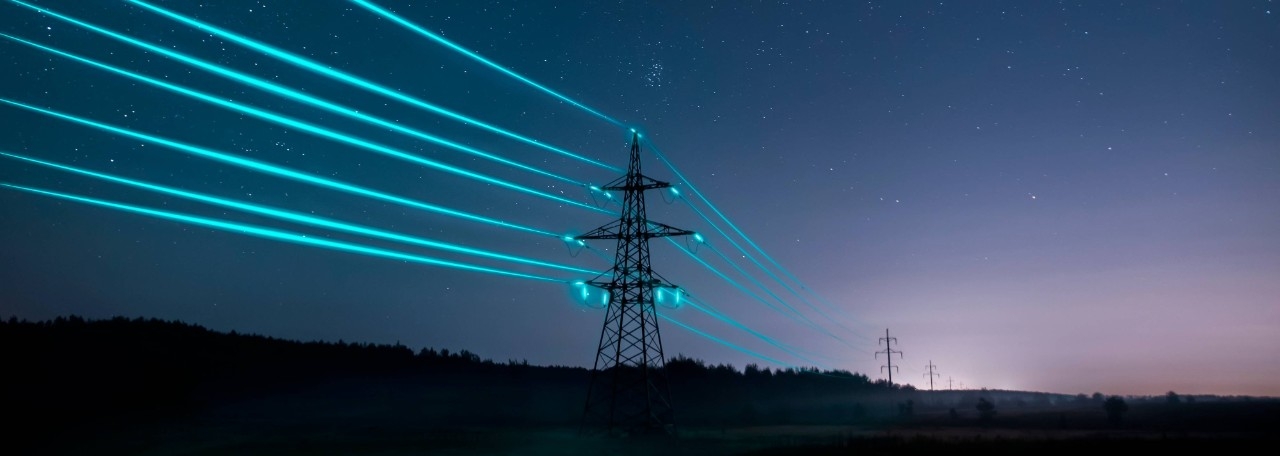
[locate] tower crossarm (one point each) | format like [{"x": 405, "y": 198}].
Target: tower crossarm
[
  {"x": 657, "y": 230},
  {"x": 641, "y": 183},
  {"x": 613, "y": 231}
]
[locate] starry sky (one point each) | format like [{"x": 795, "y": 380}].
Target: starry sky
[{"x": 1054, "y": 196}]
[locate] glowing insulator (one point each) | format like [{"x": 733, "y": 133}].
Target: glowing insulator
[{"x": 669, "y": 297}]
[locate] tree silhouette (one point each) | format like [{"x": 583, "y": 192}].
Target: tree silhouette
[
  {"x": 1172, "y": 397},
  {"x": 1115, "y": 407},
  {"x": 986, "y": 410},
  {"x": 907, "y": 409}
]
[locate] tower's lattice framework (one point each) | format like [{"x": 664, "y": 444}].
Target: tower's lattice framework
[{"x": 629, "y": 392}]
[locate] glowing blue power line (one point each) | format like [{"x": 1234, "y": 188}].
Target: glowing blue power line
[
  {"x": 744, "y": 252},
  {"x": 775, "y": 296},
  {"x": 751, "y": 278},
  {"x": 775, "y": 277},
  {"x": 766, "y": 289},
  {"x": 316, "y": 67},
  {"x": 796, "y": 316},
  {"x": 720, "y": 341},
  {"x": 707, "y": 309},
  {"x": 797, "y": 369},
  {"x": 297, "y": 217},
  {"x": 474, "y": 56},
  {"x": 283, "y": 235},
  {"x": 314, "y": 129},
  {"x": 281, "y": 171},
  {"x": 283, "y": 91}
]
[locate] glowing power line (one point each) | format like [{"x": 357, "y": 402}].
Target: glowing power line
[
  {"x": 715, "y": 313},
  {"x": 314, "y": 129},
  {"x": 286, "y": 92},
  {"x": 280, "y": 235},
  {"x": 474, "y": 56},
  {"x": 297, "y": 217},
  {"x": 280, "y": 171},
  {"x": 794, "y": 315},
  {"x": 319, "y": 68},
  {"x": 719, "y": 340},
  {"x": 744, "y": 252}
]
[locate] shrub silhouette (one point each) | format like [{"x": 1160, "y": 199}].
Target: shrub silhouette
[
  {"x": 986, "y": 410},
  {"x": 1115, "y": 407}
]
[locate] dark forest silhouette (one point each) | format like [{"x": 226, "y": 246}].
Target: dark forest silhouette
[
  {"x": 72, "y": 369},
  {"x": 71, "y": 376}
]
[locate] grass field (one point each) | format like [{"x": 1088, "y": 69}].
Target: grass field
[{"x": 265, "y": 428}]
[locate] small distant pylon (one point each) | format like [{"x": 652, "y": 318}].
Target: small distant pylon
[
  {"x": 931, "y": 374},
  {"x": 629, "y": 394},
  {"x": 888, "y": 352}
]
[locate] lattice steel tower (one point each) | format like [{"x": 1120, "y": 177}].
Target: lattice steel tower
[{"x": 629, "y": 394}]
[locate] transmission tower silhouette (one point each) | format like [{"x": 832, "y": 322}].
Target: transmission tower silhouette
[
  {"x": 888, "y": 352},
  {"x": 931, "y": 374},
  {"x": 629, "y": 394}
]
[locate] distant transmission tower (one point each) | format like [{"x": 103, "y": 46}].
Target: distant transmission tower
[
  {"x": 629, "y": 394},
  {"x": 949, "y": 383},
  {"x": 931, "y": 374},
  {"x": 888, "y": 352}
]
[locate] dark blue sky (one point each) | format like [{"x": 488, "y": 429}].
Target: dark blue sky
[{"x": 1070, "y": 197}]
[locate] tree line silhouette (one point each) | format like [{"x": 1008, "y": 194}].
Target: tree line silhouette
[
  {"x": 73, "y": 373},
  {"x": 72, "y": 369}
]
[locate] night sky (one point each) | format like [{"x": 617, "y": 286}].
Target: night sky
[{"x": 1053, "y": 196}]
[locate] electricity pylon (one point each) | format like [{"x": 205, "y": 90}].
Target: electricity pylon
[
  {"x": 931, "y": 374},
  {"x": 629, "y": 394},
  {"x": 888, "y": 352}
]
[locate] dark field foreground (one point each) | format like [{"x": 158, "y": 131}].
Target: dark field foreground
[
  {"x": 379, "y": 419},
  {"x": 349, "y": 438}
]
